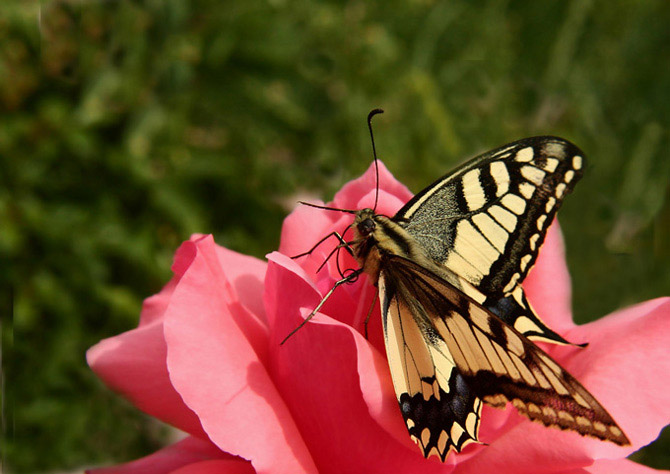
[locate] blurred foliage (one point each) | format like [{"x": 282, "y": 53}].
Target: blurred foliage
[{"x": 127, "y": 125}]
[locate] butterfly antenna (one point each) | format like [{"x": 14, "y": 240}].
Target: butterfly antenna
[
  {"x": 348, "y": 211},
  {"x": 374, "y": 153}
]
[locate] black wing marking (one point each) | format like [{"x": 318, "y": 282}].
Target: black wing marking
[
  {"x": 487, "y": 220},
  {"x": 440, "y": 410},
  {"x": 496, "y": 362}
]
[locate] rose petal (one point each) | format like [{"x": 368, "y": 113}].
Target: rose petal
[
  {"x": 217, "y": 370},
  {"x": 134, "y": 364},
  {"x": 217, "y": 467},
  {"x": 619, "y": 466},
  {"x": 154, "y": 306},
  {"x": 352, "y": 193},
  {"x": 184, "y": 452},
  {"x": 548, "y": 287},
  {"x": 246, "y": 274},
  {"x": 625, "y": 367}
]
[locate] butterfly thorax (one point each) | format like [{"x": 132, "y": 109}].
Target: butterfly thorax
[{"x": 376, "y": 237}]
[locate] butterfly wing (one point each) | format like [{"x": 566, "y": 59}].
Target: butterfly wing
[
  {"x": 441, "y": 411},
  {"x": 475, "y": 356},
  {"x": 487, "y": 220}
]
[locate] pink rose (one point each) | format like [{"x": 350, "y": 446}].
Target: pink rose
[{"x": 206, "y": 359}]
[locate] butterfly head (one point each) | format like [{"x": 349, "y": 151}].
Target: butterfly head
[{"x": 365, "y": 222}]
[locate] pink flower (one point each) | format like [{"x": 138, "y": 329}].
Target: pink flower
[{"x": 206, "y": 359}]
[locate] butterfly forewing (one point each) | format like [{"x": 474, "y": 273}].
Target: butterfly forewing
[
  {"x": 487, "y": 220},
  {"x": 495, "y": 361}
]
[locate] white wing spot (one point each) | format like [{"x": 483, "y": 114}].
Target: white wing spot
[
  {"x": 514, "y": 203},
  {"x": 512, "y": 283},
  {"x": 565, "y": 416},
  {"x": 532, "y": 174},
  {"x": 525, "y": 261},
  {"x": 491, "y": 230},
  {"x": 583, "y": 421},
  {"x": 462, "y": 267},
  {"x": 560, "y": 190},
  {"x": 550, "y": 205},
  {"x": 533, "y": 241},
  {"x": 534, "y": 408},
  {"x": 456, "y": 431},
  {"x": 569, "y": 175},
  {"x": 442, "y": 441},
  {"x": 577, "y": 162},
  {"x": 504, "y": 217},
  {"x": 599, "y": 426},
  {"x": 500, "y": 175},
  {"x": 524, "y": 155},
  {"x": 471, "y": 423},
  {"x": 525, "y": 324},
  {"x": 615, "y": 431},
  {"x": 540, "y": 222},
  {"x": 472, "y": 190},
  {"x": 473, "y": 246},
  {"x": 526, "y": 190},
  {"x": 425, "y": 436},
  {"x": 551, "y": 165},
  {"x": 549, "y": 412}
]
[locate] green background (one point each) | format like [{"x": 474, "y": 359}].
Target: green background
[{"x": 127, "y": 125}]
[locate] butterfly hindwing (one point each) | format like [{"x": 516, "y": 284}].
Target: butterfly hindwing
[
  {"x": 439, "y": 408},
  {"x": 487, "y": 220},
  {"x": 497, "y": 363}
]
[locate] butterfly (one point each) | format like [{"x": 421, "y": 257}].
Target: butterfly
[{"x": 458, "y": 328}]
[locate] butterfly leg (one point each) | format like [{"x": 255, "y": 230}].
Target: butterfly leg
[
  {"x": 367, "y": 318},
  {"x": 349, "y": 278},
  {"x": 343, "y": 243}
]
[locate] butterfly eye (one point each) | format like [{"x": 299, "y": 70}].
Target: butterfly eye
[{"x": 366, "y": 227}]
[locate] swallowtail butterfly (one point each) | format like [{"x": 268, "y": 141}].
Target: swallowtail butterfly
[{"x": 457, "y": 326}]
